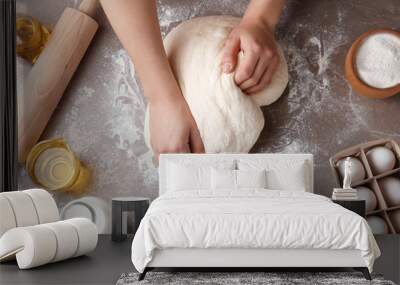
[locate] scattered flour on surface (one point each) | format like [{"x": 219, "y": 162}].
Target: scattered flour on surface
[
  {"x": 309, "y": 93},
  {"x": 171, "y": 13},
  {"x": 129, "y": 107}
]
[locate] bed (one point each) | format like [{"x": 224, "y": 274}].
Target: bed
[{"x": 247, "y": 211}]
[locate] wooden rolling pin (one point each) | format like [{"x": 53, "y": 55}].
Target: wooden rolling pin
[{"x": 49, "y": 77}]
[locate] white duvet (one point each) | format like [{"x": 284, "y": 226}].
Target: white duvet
[{"x": 253, "y": 218}]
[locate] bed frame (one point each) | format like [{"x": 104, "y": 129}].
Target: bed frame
[{"x": 246, "y": 259}]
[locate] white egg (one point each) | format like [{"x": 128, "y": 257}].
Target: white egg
[
  {"x": 381, "y": 159},
  {"x": 365, "y": 193},
  {"x": 395, "y": 219},
  {"x": 390, "y": 187},
  {"x": 377, "y": 225},
  {"x": 357, "y": 169}
]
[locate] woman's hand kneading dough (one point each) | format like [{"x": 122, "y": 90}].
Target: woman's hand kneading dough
[
  {"x": 253, "y": 40},
  {"x": 172, "y": 127}
]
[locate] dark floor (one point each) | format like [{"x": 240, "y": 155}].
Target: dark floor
[
  {"x": 110, "y": 259},
  {"x": 103, "y": 266}
]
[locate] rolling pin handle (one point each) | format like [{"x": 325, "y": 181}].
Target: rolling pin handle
[{"x": 88, "y": 7}]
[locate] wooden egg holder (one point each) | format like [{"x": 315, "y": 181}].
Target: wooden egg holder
[{"x": 371, "y": 180}]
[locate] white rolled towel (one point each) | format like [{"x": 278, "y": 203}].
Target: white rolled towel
[
  {"x": 67, "y": 240},
  {"x": 45, "y": 206},
  {"x": 26, "y": 208},
  {"x": 32, "y": 246},
  {"x": 22, "y": 207},
  {"x": 87, "y": 235},
  {"x": 40, "y": 244},
  {"x": 7, "y": 218}
]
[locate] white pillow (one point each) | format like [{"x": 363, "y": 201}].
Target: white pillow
[
  {"x": 282, "y": 174},
  {"x": 223, "y": 179},
  {"x": 181, "y": 178},
  {"x": 251, "y": 178},
  {"x": 189, "y": 173},
  {"x": 293, "y": 180},
  {"x": 236, "y": 179}
]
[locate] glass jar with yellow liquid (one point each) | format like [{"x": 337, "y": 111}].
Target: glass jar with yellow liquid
[
  {"x": 52, "y": 165},
  {"x": 32, "y": 37}
]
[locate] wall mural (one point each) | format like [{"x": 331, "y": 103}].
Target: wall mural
[{"x": 101, "y": 114}]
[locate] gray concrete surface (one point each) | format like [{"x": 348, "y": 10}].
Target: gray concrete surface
[{"x": 101, "y": 114}]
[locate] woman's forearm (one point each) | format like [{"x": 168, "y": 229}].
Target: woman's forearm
[
  {"x": 135, "y": 23},
  {"x": 265, "y": 11}
]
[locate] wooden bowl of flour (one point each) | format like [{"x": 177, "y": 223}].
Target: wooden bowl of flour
[{"x": 352, "y": 71}]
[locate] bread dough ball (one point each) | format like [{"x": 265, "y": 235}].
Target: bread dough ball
[
  {"x": 381, "y": 159},
  {"x": 227, "y": 119}
]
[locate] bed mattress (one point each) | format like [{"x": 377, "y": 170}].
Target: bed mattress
[{"x": 250, "y": 219}]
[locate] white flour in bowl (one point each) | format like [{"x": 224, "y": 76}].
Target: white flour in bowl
[{"x": 378, "y": 60}]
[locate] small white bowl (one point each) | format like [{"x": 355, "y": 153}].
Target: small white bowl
[{"x": 92, "y": 208}]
